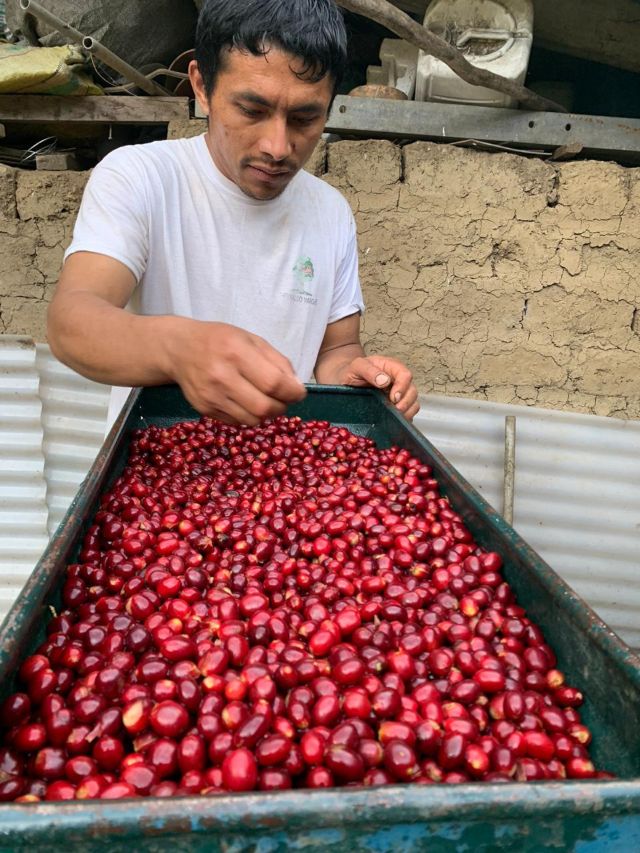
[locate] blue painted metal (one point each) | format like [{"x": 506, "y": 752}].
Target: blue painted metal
[
  {"x": 587, "y": 817},
  {"x": 551, "y": 816}
]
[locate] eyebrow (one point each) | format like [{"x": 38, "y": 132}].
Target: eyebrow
[{"x": 311, "y": 107}]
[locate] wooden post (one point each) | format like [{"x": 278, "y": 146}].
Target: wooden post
[{"x": 508, "y": 494}]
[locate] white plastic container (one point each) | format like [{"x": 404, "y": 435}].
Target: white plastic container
[
  {"x": 398, "y": 64},
  {"x": 492, "y": 34}
]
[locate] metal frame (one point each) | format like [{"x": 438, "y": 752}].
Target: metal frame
[{"x": 616, "y": 138}]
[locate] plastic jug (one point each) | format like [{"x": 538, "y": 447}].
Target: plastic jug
[{"x": 398, "y": 63}]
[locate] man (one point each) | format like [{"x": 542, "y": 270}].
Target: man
[{"x": 244, "y": 267}]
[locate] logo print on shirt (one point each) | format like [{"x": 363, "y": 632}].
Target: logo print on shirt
[{"x": 304, "y": 274}]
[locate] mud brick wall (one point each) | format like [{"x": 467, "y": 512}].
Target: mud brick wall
[
  {"x": 493, "y": 275},
  {"x": 498, "y": 276}
]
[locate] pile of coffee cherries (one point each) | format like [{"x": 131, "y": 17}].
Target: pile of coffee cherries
[{"x": 286, "y": 606}]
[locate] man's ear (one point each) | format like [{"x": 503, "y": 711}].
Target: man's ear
[{"x": 197, "y": 84}]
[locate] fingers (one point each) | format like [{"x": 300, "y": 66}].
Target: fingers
[
  {"x": 387, "y": 374},
  {"x": 233, "y": 375},
  {"x": 401, "y": 389},
  {"x": 402, "y": 384},
  {"x": 272, "y": 374},
  {"x": 273, "y": 356},
  {"x": 408, "y": 400},
  {"x": 365, "y": 371},
  {"x": 235, "y": 400},
  {"x": 247, "y": 404},
  {"x": 412, "y": 411}
]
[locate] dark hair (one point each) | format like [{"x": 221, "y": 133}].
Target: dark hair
[{"x": 312, "y": 30}]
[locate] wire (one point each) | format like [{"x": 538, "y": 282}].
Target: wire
[
  {"x": 114, "y": 86},
  {"x": 111, "y": 82},
  {"x": 495, "y": 145},
  {"x": 160, "y": 72},
  {"x": 26, "y": 157}
]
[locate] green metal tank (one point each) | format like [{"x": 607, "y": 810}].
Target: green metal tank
[{"x": 584, "y": 816}]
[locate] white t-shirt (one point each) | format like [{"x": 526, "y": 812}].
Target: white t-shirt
[{"x": 199, "y": 247}]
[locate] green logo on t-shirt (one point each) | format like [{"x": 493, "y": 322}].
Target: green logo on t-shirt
[{"x": 303, "y": 272}]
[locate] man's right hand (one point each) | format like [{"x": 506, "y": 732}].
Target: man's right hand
[
  {"x": 224, "y": 372},
  {"x": 230, "y": 374}
]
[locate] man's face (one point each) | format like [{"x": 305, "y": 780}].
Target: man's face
[{"x": 264, "y": 121}]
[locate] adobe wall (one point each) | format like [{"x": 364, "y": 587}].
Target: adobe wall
[{"x": 493, "y": 275}]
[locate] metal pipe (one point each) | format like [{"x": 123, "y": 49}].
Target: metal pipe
[
  {"x": 31, "y": 7},
  {"x": 105, "y": 55},
  {"x": 509, "y": 468}
]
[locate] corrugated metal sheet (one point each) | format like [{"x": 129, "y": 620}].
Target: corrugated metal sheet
[
  {"x": 23, "y": 505},
  {"x": 577, "y": 492},
  {"x": 74, "y": 413}
]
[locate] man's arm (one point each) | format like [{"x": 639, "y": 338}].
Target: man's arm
[
  {"x": 342, "y": 361},
  {"x": 223, "y": 371}
]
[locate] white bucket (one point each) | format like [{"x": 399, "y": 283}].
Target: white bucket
[{"x": 491, "y": 34}]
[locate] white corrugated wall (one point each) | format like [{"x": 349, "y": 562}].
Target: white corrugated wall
[
  {"x": 577, "y": 492},
  {"x": 74, "y": 413},
  {"x": 23, "y": 491},
  {"x": 577, "y": 498}
]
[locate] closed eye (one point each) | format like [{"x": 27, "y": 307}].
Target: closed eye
[
  {"x": 249, "y": 112},
  {"x": 304, "y": 119}
]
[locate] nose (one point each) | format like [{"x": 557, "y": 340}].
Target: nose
[{"x": 275, "y": 142}]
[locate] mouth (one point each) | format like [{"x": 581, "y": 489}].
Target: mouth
[{"x": 269, "y": 174}]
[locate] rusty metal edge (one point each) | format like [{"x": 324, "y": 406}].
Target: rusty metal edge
[{"x": 371, "y": 807}]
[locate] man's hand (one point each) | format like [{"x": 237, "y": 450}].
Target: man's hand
[
  {"x": 390, "y": 376},
  {"x": 341, "y": 361},
  {"x": 224, "y": 372},
  {"x": 230, "y": 374}
]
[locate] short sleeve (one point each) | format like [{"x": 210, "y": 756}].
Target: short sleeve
[
  {"x": 347, "y": 294},
  {"x": 113, "y": 219}
]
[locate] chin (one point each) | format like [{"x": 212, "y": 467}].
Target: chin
[{"x": 263, "y": 193}]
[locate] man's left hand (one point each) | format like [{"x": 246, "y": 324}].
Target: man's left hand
[{"x": 390, "y": 376}]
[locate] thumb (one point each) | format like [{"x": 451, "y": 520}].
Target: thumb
[{"x": 364, "y": 371}]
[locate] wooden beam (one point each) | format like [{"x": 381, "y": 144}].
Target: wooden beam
[{"x": 104, "y": 109}]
